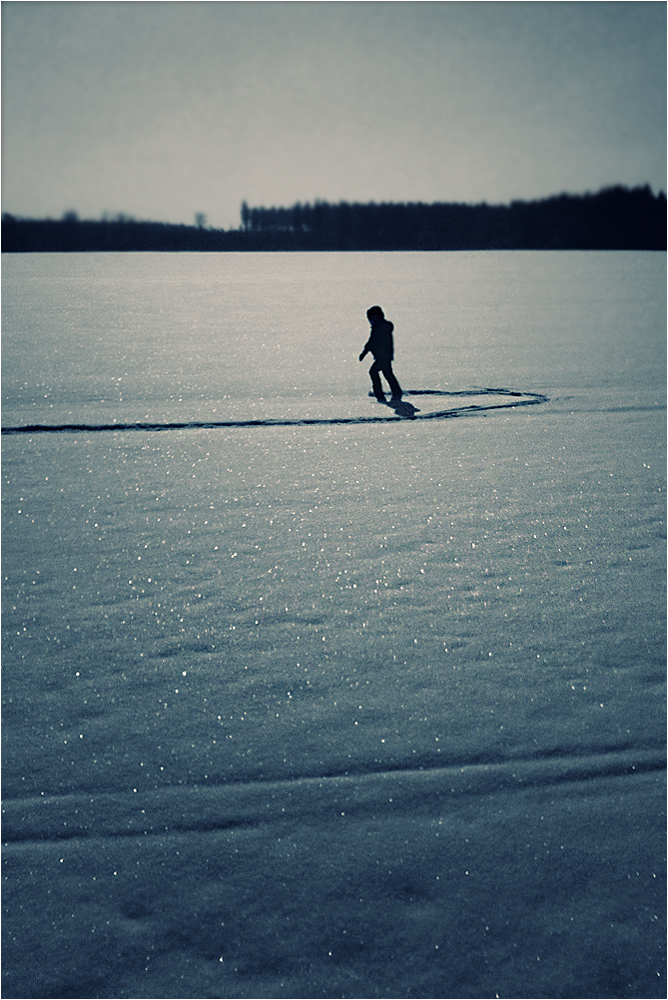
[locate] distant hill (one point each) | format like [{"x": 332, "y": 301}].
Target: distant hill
[{"x": 616, "y": 218}]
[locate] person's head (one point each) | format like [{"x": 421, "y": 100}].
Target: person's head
[{"x": 374, "y": 313}]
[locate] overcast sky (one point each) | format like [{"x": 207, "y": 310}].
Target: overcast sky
[{"x": 161, "y": 110}]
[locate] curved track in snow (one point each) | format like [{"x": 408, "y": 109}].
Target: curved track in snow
[{"x": 401, "y": 410}]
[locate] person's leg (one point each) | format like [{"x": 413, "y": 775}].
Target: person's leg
[
  {"x": 375, "y": 381},
  {"x": 395, "y": 388}
]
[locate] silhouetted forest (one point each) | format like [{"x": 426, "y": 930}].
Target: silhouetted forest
[{"x": 616, "y": 218}]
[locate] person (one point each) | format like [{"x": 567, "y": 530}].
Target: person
[{"x": 381, "y": 345}]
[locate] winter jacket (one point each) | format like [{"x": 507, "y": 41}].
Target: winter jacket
[{"x": 381, "y": 343}]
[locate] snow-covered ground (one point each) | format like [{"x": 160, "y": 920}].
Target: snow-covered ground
[{"x": 349, "y": 709}]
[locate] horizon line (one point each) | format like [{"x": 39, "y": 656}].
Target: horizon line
[{"x": 72, "y": 215}]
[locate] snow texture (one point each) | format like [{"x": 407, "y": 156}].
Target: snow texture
[{"x": 300, "y": 702}]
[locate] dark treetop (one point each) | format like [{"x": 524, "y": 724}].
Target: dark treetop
[{"x": 616, "y": 218}]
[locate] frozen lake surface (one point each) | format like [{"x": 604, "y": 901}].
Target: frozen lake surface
[{"x": 309, "y": 697}]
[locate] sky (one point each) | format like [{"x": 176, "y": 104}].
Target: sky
[{"x": 163, "y": 110}]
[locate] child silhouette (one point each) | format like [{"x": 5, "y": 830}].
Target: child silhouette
[{"x": 381, "y": 345}]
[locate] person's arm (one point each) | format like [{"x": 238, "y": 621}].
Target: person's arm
[{"x": 367, "y": 347}]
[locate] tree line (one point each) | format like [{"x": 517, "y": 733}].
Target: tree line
[{"x": 616, "y": 218}]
